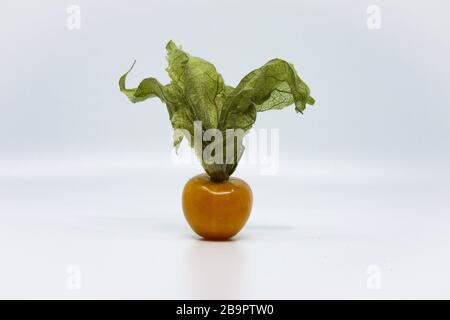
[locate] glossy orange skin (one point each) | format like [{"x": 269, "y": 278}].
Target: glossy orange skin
[{"x": 216, "y": 210}]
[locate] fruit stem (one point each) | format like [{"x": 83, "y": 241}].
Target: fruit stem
[{"x": 217, "y": 173}]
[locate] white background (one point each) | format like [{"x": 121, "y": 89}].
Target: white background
[{"x": 87, "y": 182}]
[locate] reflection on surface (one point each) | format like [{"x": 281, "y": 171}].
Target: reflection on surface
[{"x": 215, "y": 270}]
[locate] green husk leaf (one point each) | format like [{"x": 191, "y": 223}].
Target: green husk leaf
[
  {"x": 197, "y": 92},
  {"x": 275, "y": 85}
]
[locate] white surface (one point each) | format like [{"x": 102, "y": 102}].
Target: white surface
[
  {"x": 309, "y": 236},
  {"x": 86, "y": 181}
]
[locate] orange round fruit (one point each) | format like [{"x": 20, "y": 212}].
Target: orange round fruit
[{"x": 216, "y": 210}]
